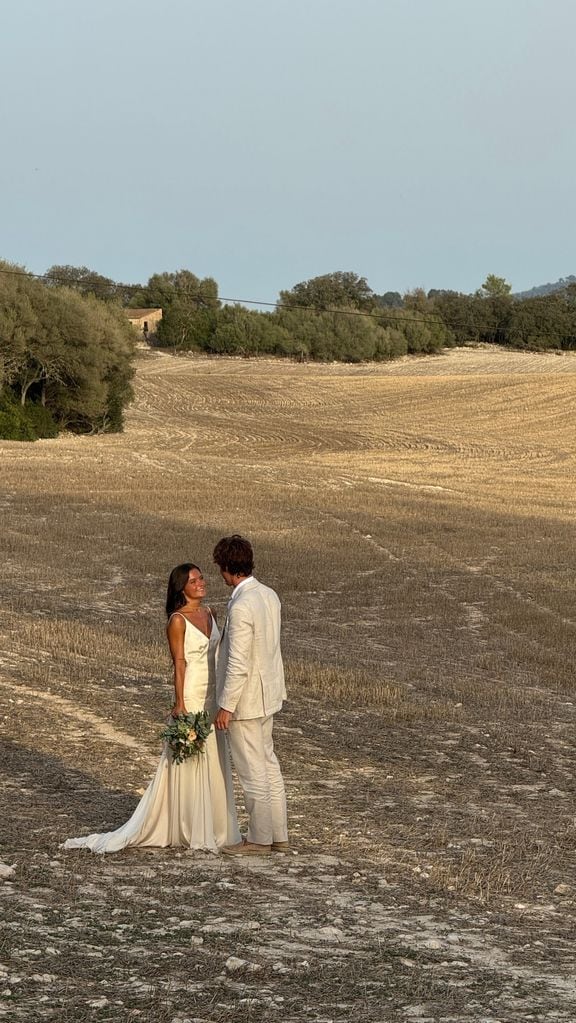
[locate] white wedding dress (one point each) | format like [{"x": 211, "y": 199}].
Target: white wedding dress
[{"x": 189, "y": 804}]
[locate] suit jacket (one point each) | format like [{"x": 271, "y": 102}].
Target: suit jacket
[{"x": 249, "y": 669}]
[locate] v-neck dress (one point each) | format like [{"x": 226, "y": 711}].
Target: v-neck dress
[{"x": 189, "y": 804}]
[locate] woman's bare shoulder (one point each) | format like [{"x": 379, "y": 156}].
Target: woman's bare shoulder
[{"x": 176, "y": 622}]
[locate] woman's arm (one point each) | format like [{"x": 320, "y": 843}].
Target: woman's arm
[{"x": 175, "y": 632}]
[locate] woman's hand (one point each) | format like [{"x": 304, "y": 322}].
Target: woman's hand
[{"x": 178, "y": 709}]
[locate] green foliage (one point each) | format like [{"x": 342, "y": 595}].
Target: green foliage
[
  {"x": 465, "y": 315},
  {"x": 241, "y": 331},
  {"x": 87, "y": 282},
  {"x": 90, "y": 396},
  {"x": 334, "y": 317},
  {"x": 418, "y": 324},
  {"x": 189, "y": 306},
  {"x": 186, "y": 734},
  {"x": 67, "y": 357},
  {"x": 24, "y": 422},
  {"x": 543, "y": 322},
  {"x": 14, "y": 424},
  {"x": 390, "y": 299},
  {"x": 186, "y": 329},
  {"x": 340, "y": 290},
  {"x": 494, "y": 287},
  {"x": 40, "y": 419},
  {"x": 183, "y": 287}
]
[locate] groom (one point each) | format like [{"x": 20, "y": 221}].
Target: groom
[{"x": 250, "y": 689}]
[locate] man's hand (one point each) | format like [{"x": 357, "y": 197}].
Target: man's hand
[{"x": 222, "y": 719}]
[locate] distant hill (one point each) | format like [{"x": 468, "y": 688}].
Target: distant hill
[{"x": 547, "y": 289}]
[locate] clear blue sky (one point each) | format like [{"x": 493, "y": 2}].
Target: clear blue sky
[{"x": 415, "y": 142}]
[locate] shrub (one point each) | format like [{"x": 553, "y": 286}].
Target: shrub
[
  {"x": 14, "y": 422},
  {"x": 40, "y": 419}
]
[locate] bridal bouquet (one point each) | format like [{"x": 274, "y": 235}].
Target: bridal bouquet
[{"x": 186, "y": 735}]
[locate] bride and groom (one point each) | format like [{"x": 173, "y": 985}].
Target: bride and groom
[{"x": 237, "y": 676}]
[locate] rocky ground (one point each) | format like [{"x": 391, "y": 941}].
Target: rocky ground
[{"x": 403, "y": 898}]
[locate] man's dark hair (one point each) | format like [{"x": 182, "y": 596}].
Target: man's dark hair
[{"x": 234, "y": 554}]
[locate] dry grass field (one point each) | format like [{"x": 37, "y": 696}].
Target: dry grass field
[{"x": 417, "y": 519}]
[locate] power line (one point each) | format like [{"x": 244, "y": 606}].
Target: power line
[
  {"x": 113, "y": 286},
  {"x": 385, "y": 312}
]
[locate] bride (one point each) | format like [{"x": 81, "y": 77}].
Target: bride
[{"x": 189, "y": 804}]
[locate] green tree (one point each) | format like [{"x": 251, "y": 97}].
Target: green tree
[
  {"x": 163, "y": 289},
  {"x": 390, "y": 299},
  {"x": 65, "y": 358},
  {"x": 242, "y": 331},
  {"x": 494, "y": 287},
  {"x": 342, "y": 289},
  {"x": 87, "y": 282},
  {"x": 344, "y": 335},
  {"x": 423, "y": 330},
  {"x": 547, "y": 321},
  {"x": 189, "y": 306},
  {"x": 18, "y": 321},
  {"x": 185, "y": 329},
  {"x": 46, "y": 355},
  {"x": 496, "y": 296},
  {"x": 465, "y": 316}
]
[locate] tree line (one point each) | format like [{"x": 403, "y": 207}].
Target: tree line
[
  {"x": 332, "y": 317},
  {"x": 494, "y": 315},
  {"x": 338, "y": 316},
  {"x": 66, "y": 346}
]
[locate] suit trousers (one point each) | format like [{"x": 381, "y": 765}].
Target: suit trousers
[{"x": 260, "y": 778}]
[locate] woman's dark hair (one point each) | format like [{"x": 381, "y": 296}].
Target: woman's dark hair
[
  {"x": 176, "y": 583},
  {"x": 234, "y": 554}
]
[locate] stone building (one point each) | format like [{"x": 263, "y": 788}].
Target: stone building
[{"x": 145, "y": 321}]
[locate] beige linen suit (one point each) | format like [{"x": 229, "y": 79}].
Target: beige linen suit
[{"x": 250, "y": 684}]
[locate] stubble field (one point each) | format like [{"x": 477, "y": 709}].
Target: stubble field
[{"x": 417, "y": 520}]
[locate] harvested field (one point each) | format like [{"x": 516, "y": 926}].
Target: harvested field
[{"x": 418, "y": 520}]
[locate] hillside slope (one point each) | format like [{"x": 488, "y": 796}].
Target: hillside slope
[{"x": 417, "y": 520}]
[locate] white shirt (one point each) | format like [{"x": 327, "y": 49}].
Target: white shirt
[{"x": 238, "y": 586}]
